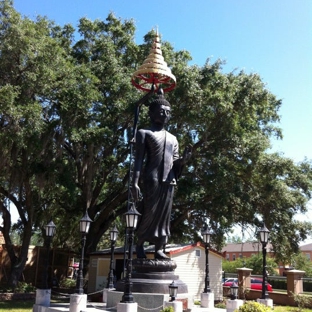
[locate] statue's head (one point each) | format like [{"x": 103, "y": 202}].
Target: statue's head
[{"x": 160, "y": 110}]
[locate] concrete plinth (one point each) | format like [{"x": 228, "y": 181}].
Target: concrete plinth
[
  {"x": 77, "y": 303},
  {"x": 207, "y": 300},
  {"x": 43, "y": 297},
  {"x": 105, "y": 292},
  {"x": 232, "y": 305},
  {"x": 127, "y": 307},
  {"x": 150, "y": 301},
  {"x": 177, "y": 305},
  {"x": 266, "y": 302}
]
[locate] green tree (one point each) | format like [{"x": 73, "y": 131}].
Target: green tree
[
  {"x": 255, "y": 262},
  {"x": 29, "y": 62},
  {"x": 301, "y": 262}
]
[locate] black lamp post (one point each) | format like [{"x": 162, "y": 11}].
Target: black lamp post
[
  {"x": 264, "y": 237},
  {"x": 50, "y": 229},
  {"x": 84, "y": 225},
  {"x": 113, "y": 237},
  {"x": 206, "y": 237},
  {"x": 132, "y": 217},
  {"x": 173, "y": 291}
]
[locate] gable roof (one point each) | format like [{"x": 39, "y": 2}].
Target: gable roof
[
  {"x": 245, "y": 247},
  {"x": 171, "y": 249},
  {"x": 307, "y": 247}
]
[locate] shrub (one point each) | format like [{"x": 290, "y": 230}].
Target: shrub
[
  {"x": 253, "y": 306},
  {"x": 167, "y": 309},
  {"x": 68, "y": 283},
  {"x": 302, "y": 301}
]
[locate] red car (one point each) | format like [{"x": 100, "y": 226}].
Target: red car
[{"x": 255, "y": 283}]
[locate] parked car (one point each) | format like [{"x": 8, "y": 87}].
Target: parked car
[
  {"x": 230, "y": 281},
  {"x": 255, "y": 283}
]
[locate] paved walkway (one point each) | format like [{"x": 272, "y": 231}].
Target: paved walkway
[{"x": 99, "y": 306}]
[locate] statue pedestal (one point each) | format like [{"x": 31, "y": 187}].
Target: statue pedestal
[{"x": 153, "y": 276}]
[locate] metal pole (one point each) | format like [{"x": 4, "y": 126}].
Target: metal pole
[
  {"x": 46, "y": 268},
  {"x": 79, "y": 284},
  {"x": 127, "y": 296},
  {"x": 207, "y": 288},
  {"x": 110, "y": 282},
  {"x": 265, "y": 294}
]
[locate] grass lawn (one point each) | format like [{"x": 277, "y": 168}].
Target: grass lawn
[{"x": 17, "y": 306}]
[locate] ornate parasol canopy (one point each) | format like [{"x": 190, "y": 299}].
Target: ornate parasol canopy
[{"x": 154, "y": 70}]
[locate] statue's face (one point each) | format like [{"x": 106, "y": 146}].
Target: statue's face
[{"x": 160, "y": 114}]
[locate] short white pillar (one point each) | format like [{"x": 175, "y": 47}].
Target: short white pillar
[
  {"x": 77, "y": 302},
  {"x": 127, "y": 307},
  {"x": 266, "y": 302},
  {"x": 105, "y": 291},
  {"x": 43, "y": 297},
  {"x": 232, "y": 305},
  {"x": 207, "y": 300},
  {"x": 177, "y": 305}
]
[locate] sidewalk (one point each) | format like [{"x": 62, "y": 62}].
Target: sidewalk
[{"x": 99, "y": 306}]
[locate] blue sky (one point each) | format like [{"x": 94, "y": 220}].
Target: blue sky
[{"x": 272, "y": 38}]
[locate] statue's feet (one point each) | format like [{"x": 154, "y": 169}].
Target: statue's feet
[
  {"x": 140, "y": 253},
  {"x": 159, "y": 254}
]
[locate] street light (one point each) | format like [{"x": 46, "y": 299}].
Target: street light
[
  {"x": 132, "y": 217},
  {"x": 234, "y": 291},
  {"x": 84, "y": 225},
  {"x": 173, "y": 291},
  {"x": 206, "y": 237},
  {"x": 50, "y": 231},
  {"x": 113, "y": 237},
  {"x": 264, "y": 237}
]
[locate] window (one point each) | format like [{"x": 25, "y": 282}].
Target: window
[
  {"x": 308, "y": 256},
  {"x": 197, "y": 253},
  {"x": 234, "y": 257},
  {"x": 240, "y": 256},
  {"x": 227, "y": 257}
]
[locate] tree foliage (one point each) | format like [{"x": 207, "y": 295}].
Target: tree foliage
[
  {"x": 255, "y": 262},
  {"x": 66, "y": 113}
]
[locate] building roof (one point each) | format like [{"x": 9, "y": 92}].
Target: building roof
[
  {"x": 245, "y": 247},
  {"x": 307, "y": 247},
  {"x": 170, "y": 249}
]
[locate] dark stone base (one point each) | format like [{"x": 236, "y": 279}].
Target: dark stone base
[{"x": 153, "y": 276}]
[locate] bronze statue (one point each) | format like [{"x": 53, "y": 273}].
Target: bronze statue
[{"x": 157, "y": 151}]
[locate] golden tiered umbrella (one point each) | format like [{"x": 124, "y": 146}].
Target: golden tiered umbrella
[{"x": 154, "y": 71}]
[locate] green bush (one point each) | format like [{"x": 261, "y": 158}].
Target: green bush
[
  {"x": 253, "y": 306},
  {"x": 167, "y": 309},
  {"x": 220, "y": 305},
  {"x": 68, "y": 283},
  {"x": 23, "y": 287}
]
